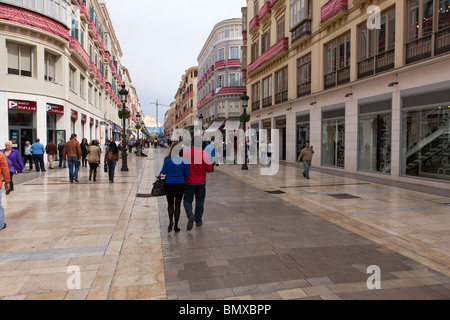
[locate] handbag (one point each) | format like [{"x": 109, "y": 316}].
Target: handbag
[
  {"x": 159, "y": 187},
  {"x": 105, "y": 167}
]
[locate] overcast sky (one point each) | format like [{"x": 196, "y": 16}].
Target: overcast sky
[{"x": 162, "y": 39}]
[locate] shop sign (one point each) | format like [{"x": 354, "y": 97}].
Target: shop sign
[
  {"x": 74, "y": 115},
  {"x": 281, "y": 122},
  {"x": 83, "y": 118},
  {"x": 20, "y": 105},
  {"x": 267, "y": 125},
  {"x": 55, "y": 109}
]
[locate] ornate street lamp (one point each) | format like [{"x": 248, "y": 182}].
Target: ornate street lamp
[
  {"x": 123, "y": 97},
  {"x": 244, "y": 119}
]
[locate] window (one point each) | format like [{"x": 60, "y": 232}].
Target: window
[
  {"x": 304, "y": 76},
  {"x": 267, "y": 92},
  {"x": 82, "y": 84},
  {"x": 333, "y": 138},
  {"x": 255, "y": 50},
  {"x": 90, "y": 94},
  {"x": 234, "y": 80},
  {"x": 300, "y": 10},
  {"x": 281, "y": 85},
  {"x": 50, "y": 67},
  {"x": 234, "y": 52},
  {"x": 337, "y": 61},
  {"x": 256, "y": 96},
  {"x": 265, "y": 41},
  {"x": 19, "y": 59},
  {"x": 72, "y": 78},
  {"x": 255, "y": 7},
  {"x": 280, "y": 29},
  {"x": 221, "y": 54},
  {"x": 376, "y": 52},
  {"x": 220, "y": 83}
]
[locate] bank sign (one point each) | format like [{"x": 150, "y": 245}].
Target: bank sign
[
  {"x": 20, "y": 105},
  {"x": 55, "y": 109}
]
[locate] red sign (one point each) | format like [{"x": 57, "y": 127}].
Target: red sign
[
  {"x": 92, "y": 121},
  {"x": 21, "y": 105},
  {"x": 74, "y": 115},
  {"x": 281, "y": 122},
  {"x": 83, "y": 118},
  {"x": 55, "y": 109},
  {"x": 267, "y": 125}
]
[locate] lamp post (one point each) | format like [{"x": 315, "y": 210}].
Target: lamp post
[
  {"x": 138, "y": 121},
  {"x": 123, "y": 96},
  {"x": 244, "y": 120}
]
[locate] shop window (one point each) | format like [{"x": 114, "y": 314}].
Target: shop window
[{"x": 333, "y": 138}]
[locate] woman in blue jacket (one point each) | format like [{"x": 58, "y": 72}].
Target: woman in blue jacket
[
  {"x": 175, "y": 168},
  {"x": 15, "y": 163}
]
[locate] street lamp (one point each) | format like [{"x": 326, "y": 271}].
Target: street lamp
[
  {"x": 138, "y": 121},
  {"x": 244, "y": 119},
  {"x": 123, "y": 97}
]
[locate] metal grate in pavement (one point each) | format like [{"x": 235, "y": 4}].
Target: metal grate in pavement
[
  {"x": 276, "y": 192},
  {"x": 144, "y": 195},
  {"x": 343, "y": 196}
]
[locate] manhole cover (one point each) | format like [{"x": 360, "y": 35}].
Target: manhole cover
[
  {"x": 144, "y": 195},
  {"x": 276, "y": 192},
  {"x": 343, "y": 196}
]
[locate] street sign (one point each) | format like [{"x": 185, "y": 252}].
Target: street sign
[{"x": 103, "y": 123}]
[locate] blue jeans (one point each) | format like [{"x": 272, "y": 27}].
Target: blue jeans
[
  {"x": 74, "y": 167},
  {"x": 61, "y": 161},
  {"x": 2, "y": 212},
  {"x": 111, "y": 169},
  {"x": 199, "y": 191},
  {"x": 307, "y": 166}
]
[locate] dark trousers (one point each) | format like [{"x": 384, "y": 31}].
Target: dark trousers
[
  {"x": 199, "y": 192},
  {"x": 11, "y": 184},
  {"x": 174, "y": 195},
  {"x": 28, "y": 159},
  {"x": 61, "y": 161},
  {"x": 39, "y": 162}
]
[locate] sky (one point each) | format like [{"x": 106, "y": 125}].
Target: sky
[{"x": 160, "y": 39}]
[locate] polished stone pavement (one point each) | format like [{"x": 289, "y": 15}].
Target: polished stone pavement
[{"x": 264, "y": 237}]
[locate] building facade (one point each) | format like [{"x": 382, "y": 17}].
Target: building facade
[
  {"x": 366, "y": 89},
  {"x": 169, "y": 120},
  {"x": 186, "y": 100},
  {"x": 220, "y": 72},
  {"x": 62, "y": 72}
]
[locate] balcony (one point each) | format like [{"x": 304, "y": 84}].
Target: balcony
[
  {"x": 279, "y": 47},
  {"x": 302, "y": 31},
  {"x": 256, "y": 105},
  {"x": 381, "y": 62},
  {"x": 281, "y": 97},
  {"x": 337, "y": 78},
  {"x": 84, "y": 13},
  {"x": 304, "y": 89},
  {"x": 332, "y": 10},
  {"x": 423, "y": 48},
  {"x": 78, "y": 52},
  {"x": 254, "y": 23},
  {"x": 265, "y": 11},
  {"x": 92, "y": 29},
  {"x": 221, "y": 64},
  {"x": 267, "y": 102},
  {"x": 234, "y": 63}
]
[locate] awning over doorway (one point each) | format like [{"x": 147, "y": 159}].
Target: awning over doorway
[
  {"x": 215, "y": 126},
  {"x": 232, "y": 125}
]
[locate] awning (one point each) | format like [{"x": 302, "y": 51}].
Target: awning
[
  {"x": 232, "y": 125},
  {"x": 215, "y": 126}
]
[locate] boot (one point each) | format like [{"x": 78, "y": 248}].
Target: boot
[
  {"x": 90, "y": 175},
  {"x": 95, "y": 175}
]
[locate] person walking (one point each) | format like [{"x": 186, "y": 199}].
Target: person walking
[
  {"x": 306, "y": 156},
  {"x": 93, "y": 157},
  {"x": 4, "y": 179},
  {"x": 211, "y": 151},
  {"x": 60, "y": 153},
  {"x": 38, "y": 151},
  {"x": 72, "y": 154},
  {"x": 28, "y": 156},
  {"x": 176, "y": 169},
  {"x": 84, "y": 151},
  {"x": 15, "y": 163},
  {"x": 199, "y": 166},
  {"x": 52, "y": 152},
  {"x": 111, "y": 158}
]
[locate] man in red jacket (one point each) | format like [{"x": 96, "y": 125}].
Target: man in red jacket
[{"x": 199, "y": 165}]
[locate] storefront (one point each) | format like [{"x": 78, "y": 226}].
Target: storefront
[
  {"x": 375, "y": 137},
  {"x": 281, "y": 126},
  {"x": 21, "y": 120},
  {"x": 55, "y": 114},
  {"x": 303, "y": 132},
  {"x": 426, "y": 136},
  {"x": 333, "y": 138}
]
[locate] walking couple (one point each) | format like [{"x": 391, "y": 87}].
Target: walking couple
[{"x": 186, "y": 177}]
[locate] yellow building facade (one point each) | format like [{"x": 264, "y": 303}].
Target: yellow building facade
[{"x": 362, "y": 81}]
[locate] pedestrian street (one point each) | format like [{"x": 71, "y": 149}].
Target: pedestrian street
[{"x": 276, "y": 237}]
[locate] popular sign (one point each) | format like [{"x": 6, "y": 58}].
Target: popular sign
[
  {"x": 55, "y": 109},
  {"x": 20, "y": 105}
]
